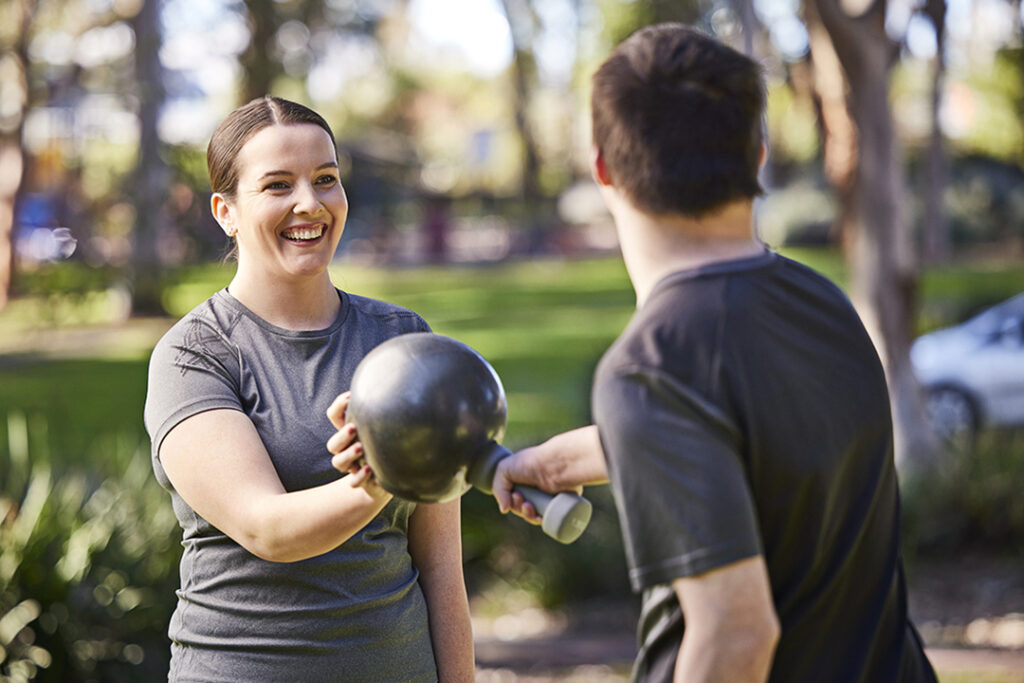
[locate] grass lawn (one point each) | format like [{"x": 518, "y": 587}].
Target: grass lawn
[{"x": 543, "y": 324}]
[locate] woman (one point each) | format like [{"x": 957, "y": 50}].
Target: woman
[{"x": 290, "y": 571}]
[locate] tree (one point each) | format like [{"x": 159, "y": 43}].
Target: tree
[
  {"x": 259, "y": 68},
  {"x": 937, "y": 242},
  {"x": 12, "y": 122},
  {"x": 877, "y": 241},
  {"x": 151, "y": 172},
  {"x": 523, "y": 22}
]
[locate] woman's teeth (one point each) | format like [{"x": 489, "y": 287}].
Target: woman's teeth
[{"x": 304, "y": 233}]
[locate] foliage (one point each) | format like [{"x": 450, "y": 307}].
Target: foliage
[
  {"x": 970, "y": 502},
  {"x": 994, "y": 95},
  {"x": 985, "y": 200},
  {"x": 87, "y": 561}
]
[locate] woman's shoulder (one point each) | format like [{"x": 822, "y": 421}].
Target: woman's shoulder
[
  {"x": 205, "y": 329},
  {"x": 385, "y": 311}
]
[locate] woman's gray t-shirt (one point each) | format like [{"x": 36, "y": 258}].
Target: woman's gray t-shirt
[{"x": 355, "y": 613}]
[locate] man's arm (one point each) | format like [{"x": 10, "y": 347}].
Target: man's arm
[
  {"x": 565, "y": 462},
  {"x": 731, "y": 625}
]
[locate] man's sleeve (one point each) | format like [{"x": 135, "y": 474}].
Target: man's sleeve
[{"x": 677, "y": 474}]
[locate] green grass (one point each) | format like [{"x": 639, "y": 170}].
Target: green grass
[
  {"x": 75, "y": 406},
  {"x": 981, "y": 677},
  {"x": 543, "y": 325}
]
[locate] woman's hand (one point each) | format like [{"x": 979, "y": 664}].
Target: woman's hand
[{"x": 345, "y": 447}]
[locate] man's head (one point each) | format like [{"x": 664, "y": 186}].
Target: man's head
[{"x": 677, "y": 121}]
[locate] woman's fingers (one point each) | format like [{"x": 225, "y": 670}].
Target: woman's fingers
[
  {"x": 360, "y": 475},
  {"x": 336, "y": 412},
  {"x": 349, "y": 459},
  {"x": 342, "y": 439}
]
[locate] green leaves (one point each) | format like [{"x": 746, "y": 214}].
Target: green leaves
[{"x": 88, "y": 561}]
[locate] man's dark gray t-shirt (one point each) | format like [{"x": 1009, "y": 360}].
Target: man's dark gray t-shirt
[
  {"x": 744, "y": 411},
  {"x": 355, "y": 613}
]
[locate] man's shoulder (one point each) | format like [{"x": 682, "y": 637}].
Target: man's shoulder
[{"x": 679, "y": 315}]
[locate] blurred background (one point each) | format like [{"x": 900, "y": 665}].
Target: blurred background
[{"x": 896, "y": 168}]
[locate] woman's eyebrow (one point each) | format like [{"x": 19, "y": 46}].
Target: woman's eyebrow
[{"x": 326, "y": 164}]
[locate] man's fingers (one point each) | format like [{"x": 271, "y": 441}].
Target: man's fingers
[{"x": 523, "y": 508}]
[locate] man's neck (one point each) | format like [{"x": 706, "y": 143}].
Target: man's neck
[{"x": 654, "y": 246}]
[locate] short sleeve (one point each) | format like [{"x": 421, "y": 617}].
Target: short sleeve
[
  {"x": 677, "y": 475},
  {"x": 193, "y": 368}
]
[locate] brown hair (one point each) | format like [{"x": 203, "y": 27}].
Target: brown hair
[
  {"x": 678, "y": 118},
  {"x": 240, "y": 125}
]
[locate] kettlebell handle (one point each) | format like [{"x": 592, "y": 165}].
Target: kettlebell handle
[{"x": 564, "y": 516}]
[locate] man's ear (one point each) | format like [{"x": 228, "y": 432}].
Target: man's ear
[
  {"x": 598, "y": 169},
  {"x": 223, "y": 213}
]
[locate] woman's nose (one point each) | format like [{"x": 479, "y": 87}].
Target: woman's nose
[{"x": 308, "y": 201}]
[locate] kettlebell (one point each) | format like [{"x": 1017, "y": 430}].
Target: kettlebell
[{"x": 430, "y": 412}]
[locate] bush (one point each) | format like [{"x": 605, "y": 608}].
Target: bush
[
  {"x": 88, "y": 563},
  {"x": 971, "y": 502}
]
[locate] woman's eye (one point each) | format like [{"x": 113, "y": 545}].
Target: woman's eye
[
  {"x": 326, "y": 180},
  {"x": 276, "y": 185}
]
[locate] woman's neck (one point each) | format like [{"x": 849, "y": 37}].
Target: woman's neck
[{"x": 299, "y": 304}]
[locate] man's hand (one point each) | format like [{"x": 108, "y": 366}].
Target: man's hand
[
  {"x": 565, "y": 462},
  {"x": 511, "y": 471}
]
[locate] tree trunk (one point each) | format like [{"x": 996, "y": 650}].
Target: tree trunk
[
  {"x": 883, "y": 270},
  {"x": 12, "y": 153},
  {"x": 838, "y": 131},
  {"x": 151, "y": 175},
  {"x": 524, "y": 78},
  {"x": 937, "y": 241},
  {"x": 748, "y": 24},
  {"x": 259, "y": 69}
]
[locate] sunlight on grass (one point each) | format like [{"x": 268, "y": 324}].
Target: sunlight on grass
[{"x": 981, "y": 677}]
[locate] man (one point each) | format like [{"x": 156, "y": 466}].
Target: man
[{"x": 742, "y": 417}]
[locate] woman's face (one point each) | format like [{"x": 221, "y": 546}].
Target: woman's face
[{"x": 289, "y": 208}]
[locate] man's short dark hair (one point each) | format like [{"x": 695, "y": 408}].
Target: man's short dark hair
[{"x": 678, "y": 118}]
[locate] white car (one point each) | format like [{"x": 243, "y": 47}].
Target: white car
[{"x": 974, "y": 372}]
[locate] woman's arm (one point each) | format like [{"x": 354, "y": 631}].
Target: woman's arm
[
  {"x": 217, "y": 463},
  {"x": 435, "y": 545}
]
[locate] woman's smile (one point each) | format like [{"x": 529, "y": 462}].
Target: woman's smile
[{"x": 304, "y": 234}]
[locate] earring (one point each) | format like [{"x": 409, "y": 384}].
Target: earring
[{"x": 232, "y": 231}]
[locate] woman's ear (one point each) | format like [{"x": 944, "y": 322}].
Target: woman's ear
[{"x": 223, "y": 213}]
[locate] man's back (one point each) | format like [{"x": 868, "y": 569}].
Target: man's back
[{"x": 744, "y": 411}]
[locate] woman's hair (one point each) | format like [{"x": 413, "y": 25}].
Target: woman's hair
[
  {"x": 678, "y": 119},
  {"x": 240, "y": 125}
]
